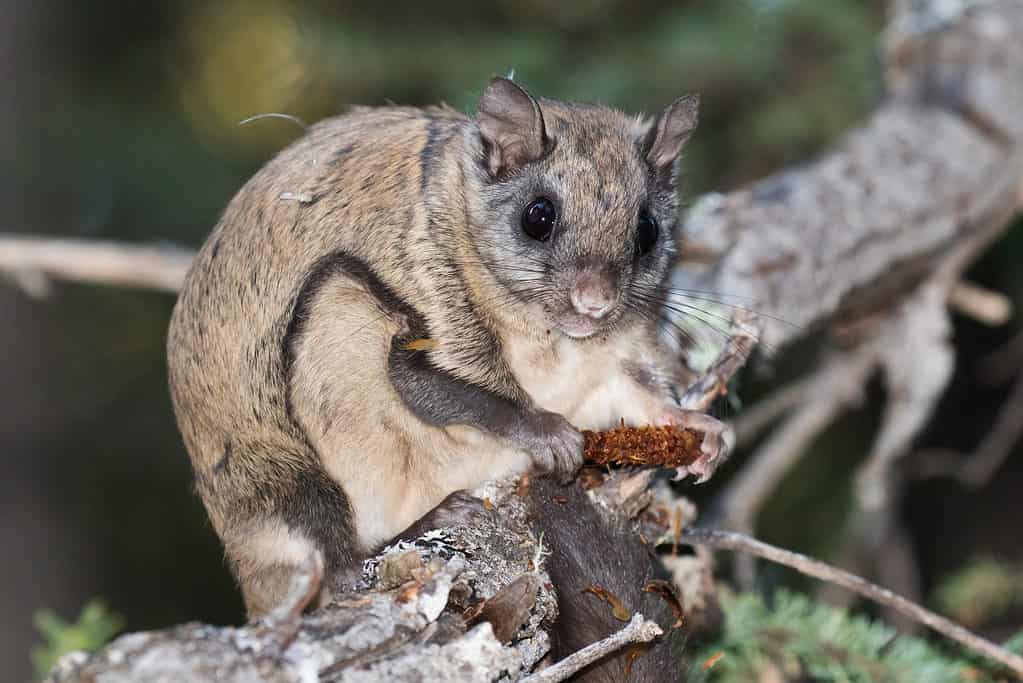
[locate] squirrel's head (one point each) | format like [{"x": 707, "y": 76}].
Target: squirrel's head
[{"x": 576, "y": 207}]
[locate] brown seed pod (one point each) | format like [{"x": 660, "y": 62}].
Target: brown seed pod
[{"x": 667, "y": 446}]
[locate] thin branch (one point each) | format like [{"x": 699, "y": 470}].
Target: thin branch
[
  {"x": 110, "y": 263},
  {"x": 638, "y": 630},
  {"x": 742, "y": 339},
  {"x": 981, "y": 304},
  {"x": 753, "y": 420},
  {"x": 993, "y": 450},
  {"x": 730, "y": 540},
  {"x": 999, "y": 441},
  {"x": 914, "y": 350},
  {"x": 839, "y": 384},
  {"x": 744, "y": 496}
]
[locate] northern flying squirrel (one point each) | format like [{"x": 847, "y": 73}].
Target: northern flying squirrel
[{"x": 530, "y": 244}]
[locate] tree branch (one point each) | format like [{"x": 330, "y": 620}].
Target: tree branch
[
  {"x": 730, "y": 540},
  {"x": 976, "y": 469},
  {"x": 638, "y": 630},
  {"x": 404, "y": 624},
  {"x": 839, "y": 384},
  {"x": 31, "y": 260}
]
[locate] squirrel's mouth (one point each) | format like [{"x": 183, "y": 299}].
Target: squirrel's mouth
[{"x": 578, "y": 326}]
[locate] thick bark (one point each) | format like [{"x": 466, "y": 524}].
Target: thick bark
[
  {"x": 405, "y": 625},
  {"x": 934, "y": 167}
]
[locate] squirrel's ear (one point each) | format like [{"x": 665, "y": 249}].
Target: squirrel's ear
[
  {"x": 511, "y": 126},
  {"x": 672, "y": 130}
]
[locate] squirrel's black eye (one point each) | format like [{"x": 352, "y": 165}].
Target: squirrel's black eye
[
  {"x": 538, "y": 218},
  {"x": 646, "y": 233}
]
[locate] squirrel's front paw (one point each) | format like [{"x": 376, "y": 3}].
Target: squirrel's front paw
[
  {"x": 554, "y": 444},
  {"x": 713, "y": 450}
]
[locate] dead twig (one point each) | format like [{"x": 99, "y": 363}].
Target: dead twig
[
  {"x": 983, "y": 305},
  {"x": 999, "y": 441},
  {"x": 914, "y": 350},
  {"x": 731, "y": 540},
  {"x": 713, "y": 383},
  {"x": 993, "y": 450},
  {"x": 837, "y": 385},
  {"x": 31, "y": 260},
  {"x": 638, "y": 630},
  {"x": 762, "y": 414}
]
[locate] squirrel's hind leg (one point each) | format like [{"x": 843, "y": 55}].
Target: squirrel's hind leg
[{"x": 274, "y": 509}]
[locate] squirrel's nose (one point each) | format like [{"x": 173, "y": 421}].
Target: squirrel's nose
[{"x": 593, "y": 294}]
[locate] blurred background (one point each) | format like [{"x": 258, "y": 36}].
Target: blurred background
[{"x": 119, "y": 120}]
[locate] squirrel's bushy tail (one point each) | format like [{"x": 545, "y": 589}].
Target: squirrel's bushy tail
[{"x": 589, "y": 549}]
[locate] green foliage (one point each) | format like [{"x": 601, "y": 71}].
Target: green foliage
[
  {"x": 800, "y": 639},
  {"x": 96, "y": 625},
  {"x": 984, "y": 590}
]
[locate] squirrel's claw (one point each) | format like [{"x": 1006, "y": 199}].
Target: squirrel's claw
[{"x": 714, "y": 449}]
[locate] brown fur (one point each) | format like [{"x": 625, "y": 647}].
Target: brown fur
[{"x": 282, "y": 350}]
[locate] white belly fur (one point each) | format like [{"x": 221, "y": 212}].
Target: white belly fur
[{"x": 585, "y": 382}]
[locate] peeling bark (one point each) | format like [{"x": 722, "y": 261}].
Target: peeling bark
[{"x": 412, "y": 631}]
